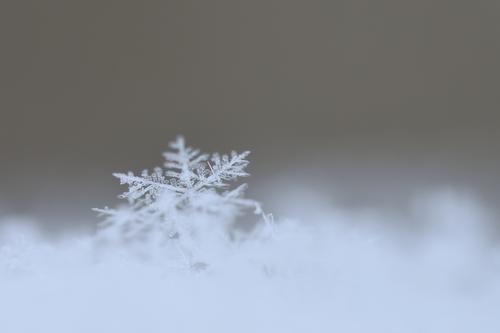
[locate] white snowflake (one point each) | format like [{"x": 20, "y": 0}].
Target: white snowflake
[{"x": 183, "y": 206}]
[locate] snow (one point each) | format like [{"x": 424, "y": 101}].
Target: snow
[
  {"x": 325, "y": 276},
  {"x": 172, "y": 260}
]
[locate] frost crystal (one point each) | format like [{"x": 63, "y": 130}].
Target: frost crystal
[{"x": 184, "y": 209}]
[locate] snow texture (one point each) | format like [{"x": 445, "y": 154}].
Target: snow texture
[{"x": 169, "y": 261}]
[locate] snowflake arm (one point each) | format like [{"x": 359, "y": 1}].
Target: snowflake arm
[
  {"x": 145, "y": 187},
  {"x": 183, "y": 162},
  {"x": 224, "y": 168}
]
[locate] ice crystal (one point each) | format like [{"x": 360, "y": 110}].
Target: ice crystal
[{"x": 185, "y": 208}]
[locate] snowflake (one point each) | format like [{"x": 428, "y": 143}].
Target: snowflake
[{"x": 183, "y": 204}]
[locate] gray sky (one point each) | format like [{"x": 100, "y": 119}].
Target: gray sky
[{"x": 375, "y": 96}]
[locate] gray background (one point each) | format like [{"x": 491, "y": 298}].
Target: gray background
[{"x": 367, "y": 102}]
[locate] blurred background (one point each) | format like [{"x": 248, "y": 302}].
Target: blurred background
[{"x": 360, "y": 103}]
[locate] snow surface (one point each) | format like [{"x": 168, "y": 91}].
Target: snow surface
[{"x": 343, "y": 271}]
